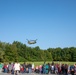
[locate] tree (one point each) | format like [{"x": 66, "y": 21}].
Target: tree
[{"x": 1, "y": 55}]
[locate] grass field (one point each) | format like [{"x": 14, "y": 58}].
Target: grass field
[{"x": 59, "y": 62}]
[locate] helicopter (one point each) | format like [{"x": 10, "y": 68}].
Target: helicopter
[{"x": 31, "y": 41}]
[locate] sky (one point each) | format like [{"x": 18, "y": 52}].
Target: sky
[{"x": 51, "y": 22}]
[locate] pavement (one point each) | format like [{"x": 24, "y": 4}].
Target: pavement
[
  {"x": 26, "y": 74},
  {"x": 29, "y": 74}
]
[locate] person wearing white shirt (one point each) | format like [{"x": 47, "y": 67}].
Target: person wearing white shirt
[{"x": 16, "y": 68}]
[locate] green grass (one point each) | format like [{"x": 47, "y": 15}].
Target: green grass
[
  {"x": 59, "y": 62},
  {"x": 42, "y": 62}
]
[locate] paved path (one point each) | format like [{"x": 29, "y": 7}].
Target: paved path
[
  {"x": 28, "y": 74},
  {"x": 25, "y": 74}
]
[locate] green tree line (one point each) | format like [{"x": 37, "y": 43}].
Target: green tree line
[{"x": 18, "y": 51}]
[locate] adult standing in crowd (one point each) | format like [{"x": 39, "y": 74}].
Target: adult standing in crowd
[
  {"x": 10, "y": 67},
  {"x": 1, "y": 66},
  {"x": 16, "y": 68}
]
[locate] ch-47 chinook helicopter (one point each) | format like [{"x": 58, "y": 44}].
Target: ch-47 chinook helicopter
[{"x": 31, "y": 41}]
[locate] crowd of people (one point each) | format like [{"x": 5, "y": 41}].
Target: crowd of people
[{"x": 46, "y": 68}]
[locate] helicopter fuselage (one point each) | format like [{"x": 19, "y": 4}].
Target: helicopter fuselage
[{"x": 31, "y": 41}]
